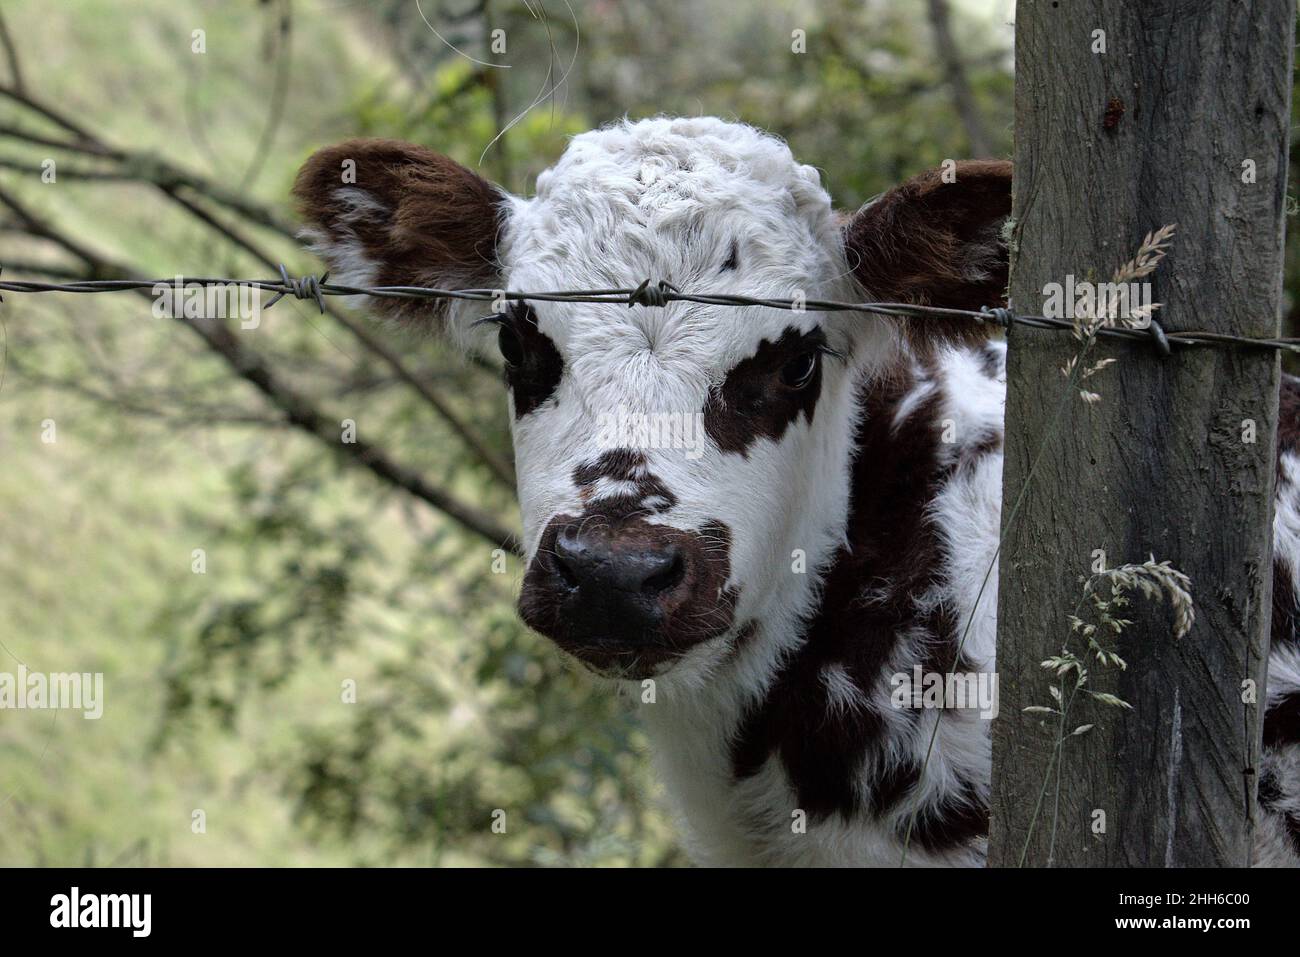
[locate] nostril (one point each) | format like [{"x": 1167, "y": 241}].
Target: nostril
[
  {"x": 669, "y": 576},
  {"x": 564, "y": 572},
  {"x": 566, "y": 559}
]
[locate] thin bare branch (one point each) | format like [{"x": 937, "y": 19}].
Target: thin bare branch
[
  {"x": 297, "y": 409},
  {"x": 499, "y": 466},
  {"x": 11, "y": 53}
]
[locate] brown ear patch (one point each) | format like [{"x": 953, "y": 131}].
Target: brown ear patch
[
  {"x": 395, "y": 214},
  {"x": 936, "y": 243}
]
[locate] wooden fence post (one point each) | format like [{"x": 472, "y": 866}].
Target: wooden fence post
[{"x": 1130, "y": 116}]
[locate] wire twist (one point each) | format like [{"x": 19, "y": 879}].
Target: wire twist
[
  {"x": 1003, "y": 317},
  {"x": 657, "y": 295},
  {"x": 308, "y": 287}
]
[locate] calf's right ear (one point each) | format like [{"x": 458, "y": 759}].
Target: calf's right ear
[{"x": 387, "y": 213}]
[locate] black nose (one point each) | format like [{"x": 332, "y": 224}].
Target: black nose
[
  {"x": 598, "y": 566},
  {"x": 624, "y": 596}
]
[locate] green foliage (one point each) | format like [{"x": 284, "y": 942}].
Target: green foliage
[{"x": 231, "y": 691}]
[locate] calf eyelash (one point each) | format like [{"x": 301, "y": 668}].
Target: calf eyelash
[
  {"x": 514, "y": 311},
  {"x": 821, "y": 346},
  {"x": 830, "y": 352}
]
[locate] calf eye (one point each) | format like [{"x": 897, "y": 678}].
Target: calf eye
[
  {"x": 512, "y": 350},
  {"x": 798, "y": 372}
]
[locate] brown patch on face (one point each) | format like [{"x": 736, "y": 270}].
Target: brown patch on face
[
  {"x": 621, "y": 465},
  {"x": 537, "y": 366},
  {"x": 603, "y": 617},
  {"x": 935, "y": 243},
  {"x": 756, "y": 400},
  {"x": 433, "y": 222},
  {"x": 647, "y": 494}
]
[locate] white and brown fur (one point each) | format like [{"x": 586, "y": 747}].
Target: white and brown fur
[{"x": 832, "y": 539}]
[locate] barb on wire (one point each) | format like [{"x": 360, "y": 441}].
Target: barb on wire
[
  {"x": 308, "y": 287},
  {"x": 659, "y": 294}
]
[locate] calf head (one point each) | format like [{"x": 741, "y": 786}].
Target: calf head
[{"x": 676, "y": 463}]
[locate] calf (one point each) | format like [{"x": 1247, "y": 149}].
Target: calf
[{"x": 755, "y": 587}]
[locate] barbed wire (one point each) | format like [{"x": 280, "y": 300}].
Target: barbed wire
[{"x": 657, "y": 295}]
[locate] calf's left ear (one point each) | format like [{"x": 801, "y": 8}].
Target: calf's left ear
[
  {"x": 388, "y": 213},
  {"x": 936, "y": 240}
]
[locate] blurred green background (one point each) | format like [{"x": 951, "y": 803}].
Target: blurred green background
[{"x": 224, "y": 690}]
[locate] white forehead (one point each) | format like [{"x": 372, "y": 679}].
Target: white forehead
[{"x": 667, "y": 198}]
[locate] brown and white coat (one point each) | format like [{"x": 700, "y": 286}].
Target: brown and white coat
[{"x": 754, "y": 592}]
